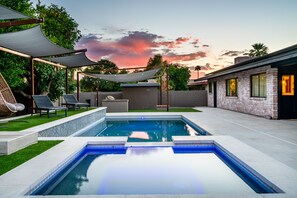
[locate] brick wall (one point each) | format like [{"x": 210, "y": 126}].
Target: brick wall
[{"x": 266, "y": 107}]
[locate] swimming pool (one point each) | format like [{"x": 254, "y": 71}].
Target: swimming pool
[
  {"x": 113, "y": 170},
  {"x": 144, "y": 130}
]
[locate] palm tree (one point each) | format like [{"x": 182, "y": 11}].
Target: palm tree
[
  {"x": 198, "y": 68},
  {"x": 259, "y": 49}
]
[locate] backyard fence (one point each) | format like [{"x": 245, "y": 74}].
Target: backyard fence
[{"x": 176, "y": 98}]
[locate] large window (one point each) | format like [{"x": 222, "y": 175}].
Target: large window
[
  {"x": 231, "y": 87},
  {"x": 258, "y": 85}
]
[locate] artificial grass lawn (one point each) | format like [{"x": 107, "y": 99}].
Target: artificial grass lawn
[
  {"x": 9, "y": 162},
  {"x": 31, "y": 121},
  {"x": 170, "y": 110}
]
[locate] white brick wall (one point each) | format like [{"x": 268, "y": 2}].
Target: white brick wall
[{"x": 244, "y": 102}]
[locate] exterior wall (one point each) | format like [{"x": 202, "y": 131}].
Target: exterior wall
[
  {"x": 141, "y": 97},
  {"x": 186, "y": 98},
  {"x": 266, "y": 107}
]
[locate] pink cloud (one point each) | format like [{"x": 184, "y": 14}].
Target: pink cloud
[
  {"x": 181, "y": 40},
  {"x": 135, "y": 49},
  {"x": 184, "y": 57}
]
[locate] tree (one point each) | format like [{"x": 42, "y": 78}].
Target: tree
[
  {"x": 178, "y": 77},
  {"x": 61, "y": 29},
  {"x": 156, "y": 61},
  {"x": 58, "y": 25},
  {"x": 259, "y": 49},
  {"x": 197, "y": 68},
  {"x": 103, "y": 67}
]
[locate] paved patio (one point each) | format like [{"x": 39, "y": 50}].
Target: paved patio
[{"x": 276, "y": 138}]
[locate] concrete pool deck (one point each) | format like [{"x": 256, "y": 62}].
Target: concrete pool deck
[
  {"x": 276, "y": 138},
  {"x": 269, "y": 146}
]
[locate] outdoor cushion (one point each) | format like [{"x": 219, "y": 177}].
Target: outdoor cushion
[
  {"x": 19, "y": 106},
  {"x": 15, "y": 107},
  {"x": 110, "y": 98},
  {"x": 11, "y": 106}
]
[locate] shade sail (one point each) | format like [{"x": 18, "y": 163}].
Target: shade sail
[
  {"x": 73, "y": 60},
  {"x": 133, "y": 77},
  {"x": 31, "y": 42},
  {"x": 7, "y": 13}
]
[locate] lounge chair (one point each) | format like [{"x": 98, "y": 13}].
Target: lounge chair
[
  {"x": 70, "y": 100},
  {"x": 43, "y": 103},
  {"x": 8, "y": 103}
]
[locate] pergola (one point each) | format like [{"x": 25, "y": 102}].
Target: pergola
[{"x": 33, "y": 44}]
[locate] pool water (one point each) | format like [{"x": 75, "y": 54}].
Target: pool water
[
  {"x": 152, "y": 170},
  {"x": 144, "y": 130}
]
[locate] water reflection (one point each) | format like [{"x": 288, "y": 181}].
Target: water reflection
[
  {"x": 155, "y": 170},
  {"x": 149, "y": 130}
]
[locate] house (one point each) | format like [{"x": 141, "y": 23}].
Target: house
[{"x": 262, "y": 86}]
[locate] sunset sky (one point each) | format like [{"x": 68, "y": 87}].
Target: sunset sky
[{"x": 191, "y": 32}]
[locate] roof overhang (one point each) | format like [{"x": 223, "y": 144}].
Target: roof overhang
[{"x": 278, "y": 56}]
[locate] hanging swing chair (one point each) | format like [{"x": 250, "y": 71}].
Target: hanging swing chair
[{"x": 8, "y": 104}]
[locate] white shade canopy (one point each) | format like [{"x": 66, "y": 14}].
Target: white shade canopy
[
  {"x": 73, "y": 60},
  {"x": 32, "y": 42},
  {"x": 7, "y": 13},
  {"x": 132, "y": 77}
]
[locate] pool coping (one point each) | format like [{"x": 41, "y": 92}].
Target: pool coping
[{"x": 18, "y": 181}]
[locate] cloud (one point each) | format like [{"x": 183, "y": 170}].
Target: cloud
[
  {"x": 233, "y": 53},
  {"x": 181, "y": 40},
  {"x": 171, "y": 57},
  {"x": 195, "y": 42},
  {"x": 135, "y": 48}
]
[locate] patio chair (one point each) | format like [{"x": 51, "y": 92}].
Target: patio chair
[
  {"x": 43, "y": 103},
  {"x": 70, "y": 100},
  {"x": 8, "y": 103}
]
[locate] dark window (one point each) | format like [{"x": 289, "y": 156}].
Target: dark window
[
  {"x": 258, "y": 85},
  {"x": 209, "y": 87},
  {"x": 231, "y": 87}
]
